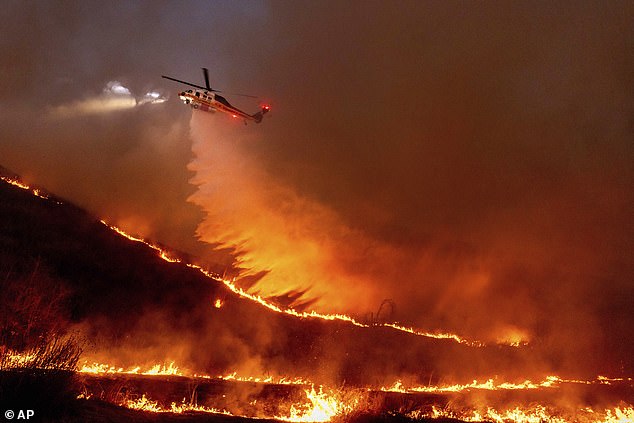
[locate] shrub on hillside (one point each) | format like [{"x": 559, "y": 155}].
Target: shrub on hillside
[{"x": 37, "y": 358}]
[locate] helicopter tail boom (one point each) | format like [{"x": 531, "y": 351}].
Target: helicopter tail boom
[{"x": 259, "y": 115}]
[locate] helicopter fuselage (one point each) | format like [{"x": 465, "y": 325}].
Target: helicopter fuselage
[{"x": 211, "y": 102}]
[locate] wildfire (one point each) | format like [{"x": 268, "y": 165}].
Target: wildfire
[
  {"x": 284, "y": 380},
  {"x": 322, "y": 406},
  {"x": 146, "y": 404},
  {"x": 451, "y": 336},
  {"x": 156, "y": 370},
  {"x": 36, "y": 192},
  {"x": 536, "y": 414},
  {"x": 13, "y": 360},
  {"x": 171, "y": 369},
  {"x": 165, "y": 255},
  {"x": 491, "y": 385}
]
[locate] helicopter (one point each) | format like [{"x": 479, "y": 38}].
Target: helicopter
[{"x": 208, "y": 101}]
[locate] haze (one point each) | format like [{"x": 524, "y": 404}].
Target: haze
[{"x": 472, "y": 162}]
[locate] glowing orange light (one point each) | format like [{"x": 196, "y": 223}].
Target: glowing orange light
[
  {"x": 167, "y": 256},
  {"x": 323, "y": 406},
  {"x": 490, "y": 385},
  {"x": 146, "y": 404},
  {"x": 160, "y": 369},
  {"x": 25, "y": 187},
  {"x": 171, "y": 369},
  {"x": 535, "y": 414}
]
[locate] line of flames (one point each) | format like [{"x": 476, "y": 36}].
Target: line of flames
[
  {"x": 320, "y": 406},
  {"x": 535, "y": 414},
  {"x": 146, "y": 404},
  {"x": 36, "y": 192},
  {"x": 167, "y": 256},
  {"x": 323, "y": 404},
  {"x": 324, "y": 407},
  {"x": 171, "y": 369},
  {"x": 491, "y": 385}
]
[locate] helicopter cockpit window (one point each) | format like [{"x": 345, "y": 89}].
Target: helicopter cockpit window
[{"x": 222, "y": 100}]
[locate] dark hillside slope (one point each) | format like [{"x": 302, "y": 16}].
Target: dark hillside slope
[
  {"x": 108, "y": 275},
  {"x": 136, "y": 308}
]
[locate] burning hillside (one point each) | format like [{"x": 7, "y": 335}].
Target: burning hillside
[
  {"x": 166, "y": 335},
  {"x": 144, "y": 304}
]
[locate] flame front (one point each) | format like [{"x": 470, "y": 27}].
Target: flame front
[
  {"x": 168, "y": 369},
  {"x": 491, "y": 385},
  {"x": 145, "y": 404},
  {"x": 321, "y": 406},
  {"x": 171, "y": 369},
  {"x": 35, "y": 191},
  {"x": 536, "y": 414},
  {"x": 167, "y": 256},
  {"x": 324, "y": 404}
]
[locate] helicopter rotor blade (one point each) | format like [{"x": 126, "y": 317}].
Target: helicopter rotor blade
[
  {"x": 207, "y": 87},
  {"x": 206, "y": 74},
  {"x": 184, "y": 82},
  {"x": 241, "y": 95}
]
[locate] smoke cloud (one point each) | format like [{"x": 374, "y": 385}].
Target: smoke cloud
[
  {"x": 478, "y": 177},
  {"x": 471, "y": 163}
]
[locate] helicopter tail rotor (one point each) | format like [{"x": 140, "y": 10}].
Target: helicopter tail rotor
[{"x": 259, "y": 115}]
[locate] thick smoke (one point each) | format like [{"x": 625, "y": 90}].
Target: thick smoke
[
  {"x": 472, "y": 163},
  {"x": 478, "y": 176}
]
